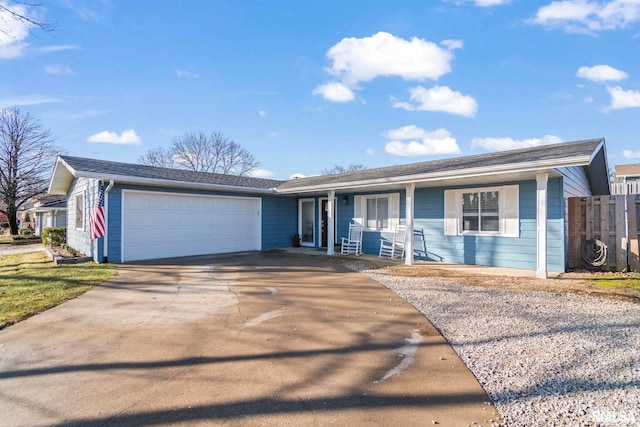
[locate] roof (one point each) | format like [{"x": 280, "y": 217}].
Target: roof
[
  {"x": 502, "y": 166},
  {"x": 483, "y": 168},
  {"x": 50, "y": 203},
  {"x": 67, "y": 168},
  {"x": 628, "y": 170}
]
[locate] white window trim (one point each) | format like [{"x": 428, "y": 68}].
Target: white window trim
[
  {"x": 360, "y": 210},
  {"x": 508, "y": 211},
  {"x": 82, "y": 210}
]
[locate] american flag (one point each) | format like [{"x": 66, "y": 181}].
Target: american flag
[{"x": 96, "y": 222}]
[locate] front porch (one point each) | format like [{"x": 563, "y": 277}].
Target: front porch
[{"x": 450, "y": 267}]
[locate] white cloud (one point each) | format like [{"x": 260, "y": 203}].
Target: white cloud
[
  {"x": 126, "y": 137},
  {"x": 501, "y": 144},
  {"x": 261, "y": 173},
  {"x": 334, "y": 91},
  {"x": 186, "y": 74},
  {"x": 262, "y": 113},
  {"x": 601, "y": 73},
  {"x": 274, "y": 134},
  {"x": 440, "y": 98},
  {"x": 588, "y": 15},
  {"x": 58, "y": 48},
  {"x": 370, "y": 152},
  {"x": 621, "y": 98},
  {"x": 489, "y": 3},
  {"x": 452, "y": 44},
  {"x": 58, "y": 69},
  {"x": 628, "y": 154},
  {"x": 414, "y": 141},
  {"x": 383, "y": 55},
  {"x": 14, "y": 32},
  {"x": 26, "y": 100}
]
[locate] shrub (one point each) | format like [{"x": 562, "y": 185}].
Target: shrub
[
  {"x": 26, "y": 232},
  {"x": 70, "y": 250},
  {"x": 55, "y": 236},
  {"x": 4, "y": 224}
]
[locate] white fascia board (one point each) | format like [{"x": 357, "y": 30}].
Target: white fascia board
[
  {"x": 155, "y": 182},
  {"x": 437, "y": 176}
]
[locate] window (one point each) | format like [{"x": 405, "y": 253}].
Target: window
[
  {"x": 482, "y": 211},
  {"x": 80, "y": 211},
  {"x": 377, "y": 211}
]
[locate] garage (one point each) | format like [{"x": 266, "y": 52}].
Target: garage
[{"x": 161, "y": 225}]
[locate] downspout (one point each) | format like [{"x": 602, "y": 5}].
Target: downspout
[{"x": 105, "y": 250}]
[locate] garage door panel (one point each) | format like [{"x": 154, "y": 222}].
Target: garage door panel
[{"x": 159, "y": 225}]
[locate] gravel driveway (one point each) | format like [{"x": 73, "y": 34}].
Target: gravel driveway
[{"x": 544, "y": 359}]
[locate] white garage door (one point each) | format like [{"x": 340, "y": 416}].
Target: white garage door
[{"x": 160, "y": 225}]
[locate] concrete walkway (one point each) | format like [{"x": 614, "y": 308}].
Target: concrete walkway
[
  {"x": 249, "y": 339},
  {"x": 6, "y": 249}
]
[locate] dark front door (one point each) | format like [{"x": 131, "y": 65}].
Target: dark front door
[{"x": 323, "y": 224}]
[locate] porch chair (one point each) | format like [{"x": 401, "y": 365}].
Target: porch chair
[
  {"x": 394, "y": 248},
  {"x": 353, "y": 243}
]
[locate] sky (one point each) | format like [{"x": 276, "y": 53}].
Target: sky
[{"x": 306, "y": 85}]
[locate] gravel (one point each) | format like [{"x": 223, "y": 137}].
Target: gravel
[{"x": 544, "y": 359}]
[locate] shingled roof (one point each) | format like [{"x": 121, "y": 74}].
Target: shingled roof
[
  {"x": 512, "y": 164},
  {"x": 549, "y": 156},
  {"x": 142, "y": 174}
]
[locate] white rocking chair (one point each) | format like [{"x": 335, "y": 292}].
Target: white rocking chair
[
  {"x": 353, "y": 243},
  {"x": 394, "y": 248}
]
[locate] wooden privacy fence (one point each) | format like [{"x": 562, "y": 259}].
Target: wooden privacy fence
[{"x": 610, "y": 219}]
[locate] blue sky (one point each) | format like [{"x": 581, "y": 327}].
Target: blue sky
[{"x": 304, "y": 85}]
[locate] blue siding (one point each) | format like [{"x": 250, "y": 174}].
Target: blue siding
[
  {"x": 279, "y": 221},
  {"x": 344, "y": 215},
  {"x": 492, "y": 250},
  {"x": 280, "y": 217},
  {"x": 370, "y": 239}
]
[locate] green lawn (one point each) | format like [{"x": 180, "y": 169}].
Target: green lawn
[
  {"x": 617, "y": 280},
  {"x": 32, "y": 283}
]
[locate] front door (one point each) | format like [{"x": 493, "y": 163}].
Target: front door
[{"x": 323, "y": 223}]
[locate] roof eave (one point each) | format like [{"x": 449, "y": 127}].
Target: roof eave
[
  {"x": 156, "y": 182},
  {"x": 448, "y": 175},
  {"x": 61, "y": 178}
]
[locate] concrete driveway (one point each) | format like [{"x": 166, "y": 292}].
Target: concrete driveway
[{"x": 249, "y": 339}]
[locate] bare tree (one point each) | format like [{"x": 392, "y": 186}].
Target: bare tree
[
  {"x": 160, "y": 156},
  {"x": 18, "y": 14},
  {"x": 203, "y": 153},
  {"x": 27, "y": 156},
  {"x": 343, "y": 169}
]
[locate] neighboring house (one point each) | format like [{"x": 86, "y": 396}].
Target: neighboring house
[
  {"x": 504, "y": 209},
  {"x": 627, "y": 179},
  {"x": 48, "y": 212},
  {"x": 627, "y": 173}
]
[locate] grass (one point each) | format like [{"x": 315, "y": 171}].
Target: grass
[
  {"x": 32, "y": 283},
  {"x": 630, "y": 280}
]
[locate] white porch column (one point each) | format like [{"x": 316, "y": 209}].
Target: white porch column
[
  {"x": 408, "y": 253},
  {"x": 541, "y": 224},
  {"x": 331, "y": 233}
]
